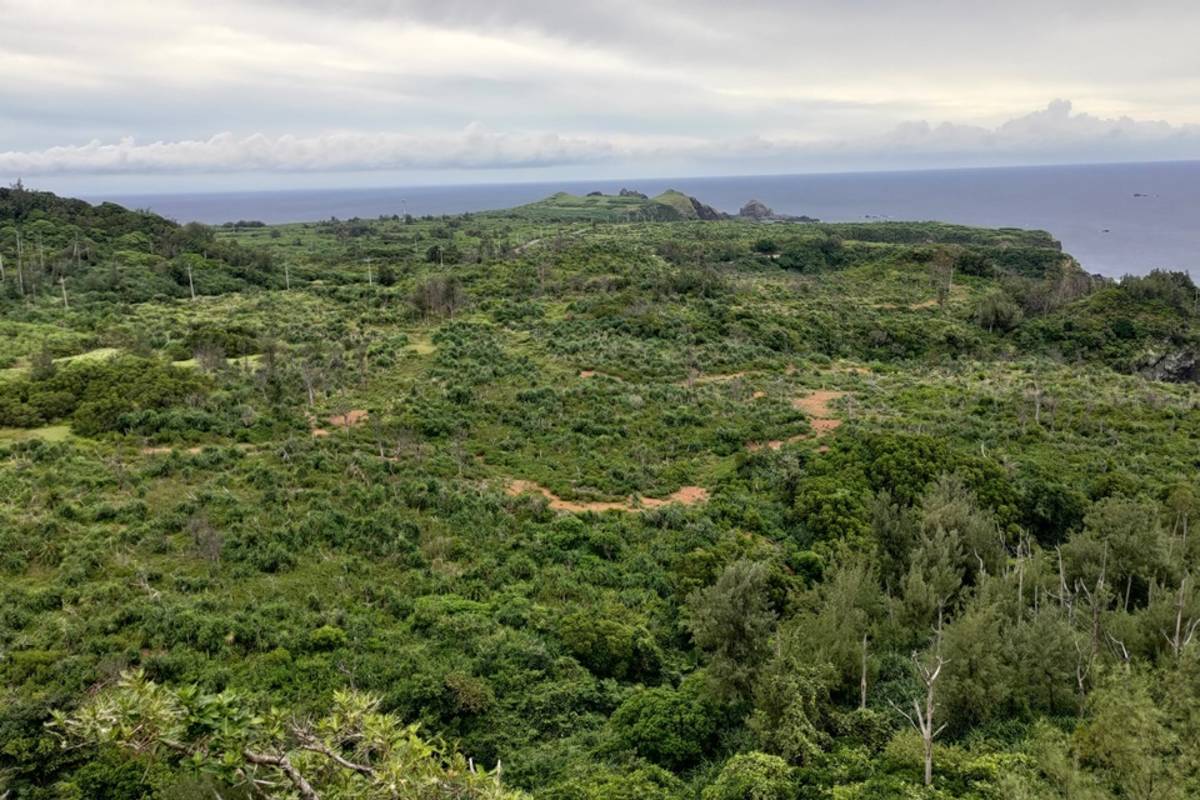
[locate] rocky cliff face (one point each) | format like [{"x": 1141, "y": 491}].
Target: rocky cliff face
[
  {"x": 759, "y": 211},
  {"x": 706, "y": 212},
  {"x": 1175, "y": 366}
]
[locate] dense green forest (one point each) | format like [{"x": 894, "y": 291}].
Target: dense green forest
[{"x": 600, "y": 497}]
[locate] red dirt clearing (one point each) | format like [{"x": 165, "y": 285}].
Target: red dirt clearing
[
  {"x": 595, "y": 373},
  {"x": 820, "y": 419},
  {"x": 688, "y": 495},
  {"x": 816, "y": 406},
  {"x": 823, "y": 426},
  {"x": 349, "y": 419},
  {"x": 817, "y": 403}
]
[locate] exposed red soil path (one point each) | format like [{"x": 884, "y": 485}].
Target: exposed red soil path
[
  {"x": 594, "y": 373},
  {"x": 820, "y": 418},
  {"x": 688, "y": 495},
  {"x": 348, "y": 420},
  {"x": 816, "y": 404}
]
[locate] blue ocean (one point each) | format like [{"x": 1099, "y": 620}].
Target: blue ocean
[{"x": 1116, "y": 219}]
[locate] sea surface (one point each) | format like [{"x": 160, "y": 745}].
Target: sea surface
[{"x": 1115, "y": 219}]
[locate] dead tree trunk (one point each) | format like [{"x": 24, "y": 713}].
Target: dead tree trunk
[
  {"x": 862, "y": 681},
  {"x": 20, "y": 264},
  {"x": 1097, "y": 601},
  {"x": 922, "y": 718},
  {"x": 1185, "y": 629}
]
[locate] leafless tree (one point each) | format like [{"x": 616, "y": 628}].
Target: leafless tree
[
  {"x": 1185, "y": 624},
  {"x": 941, "y": 272},
  {"x": 206, "y": 538},
  {"x": 862, "y": 681},
  {"x": 929, "y": 670}
]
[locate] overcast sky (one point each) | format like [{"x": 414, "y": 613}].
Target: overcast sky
[{"x": 176, "y": 95}]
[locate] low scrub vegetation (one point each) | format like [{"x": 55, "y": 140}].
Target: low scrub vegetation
[{"x": 563, "y": 504}]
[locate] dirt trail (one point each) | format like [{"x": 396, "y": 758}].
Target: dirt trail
[
  {"x": 688, "y": 495},
  {"x": 594, "y": 373},
  {"x": 348, "y": 420},
  {"x": 699, "y": 379},
  {"x": 162, "y": 451},
  {"x": 851, "y": 369},
  {"x": 820, "y": 418},
  {"x": 816, "y": 404},
  {"x": 521, "y": 248}
]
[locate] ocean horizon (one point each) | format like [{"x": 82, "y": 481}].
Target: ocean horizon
[{"x": 1115, "y": 219}]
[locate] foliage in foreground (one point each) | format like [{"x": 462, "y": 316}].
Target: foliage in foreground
[{"x": 352, "y": 752}]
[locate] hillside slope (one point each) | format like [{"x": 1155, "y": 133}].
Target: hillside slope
[{"x": 611, "y": 507}]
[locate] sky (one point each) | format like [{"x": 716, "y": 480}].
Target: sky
[{"x": 178, "y": 95}]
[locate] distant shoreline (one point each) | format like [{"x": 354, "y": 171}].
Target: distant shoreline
[{"x": 1116, "y": 218}]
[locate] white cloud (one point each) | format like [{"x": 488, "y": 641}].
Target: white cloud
[
  {"x": 1054, "y": 133},
  {"x": 472, "y": 148}
]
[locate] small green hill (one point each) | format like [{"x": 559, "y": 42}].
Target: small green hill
[
  {"x": 564, "y": 207},
  {"x": 97, "y": 253},
  {"x": 1144, "y": 324},
  {"x": 670, "y": 206},
  {"x": 687, "y": 207}
]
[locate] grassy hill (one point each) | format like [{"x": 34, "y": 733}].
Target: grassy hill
[
  {"x": 670, "y": 206},
  {"x": 634, "y": 505}
]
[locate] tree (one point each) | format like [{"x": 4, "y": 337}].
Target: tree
[
  {"x": 997, "y": 311},
  {"x": 671, "y": 727},
  {"x": 438, "y": 295},
  {"x": 732, "y": 621},
  {"x": 387, "y": 275},
  {"x": 41, "y": 364},
  {"x": 934, "y": 579},
  {"x": 949, "y": 506},
  {"x": 1128, "y": 742},
  {"x": 752, "y": 776},
  {"x": 838, "y": 627},
  {"x": 896, "y": 529},
  {"x": 929, "y": 670},
  {"x": 977, "y": 683},
  {"x": 354, "y": 752},
  {"x": 1124, "y": 537},
  {"x": 791, "y": 700},
  {"x": 941, "y": 272}
]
